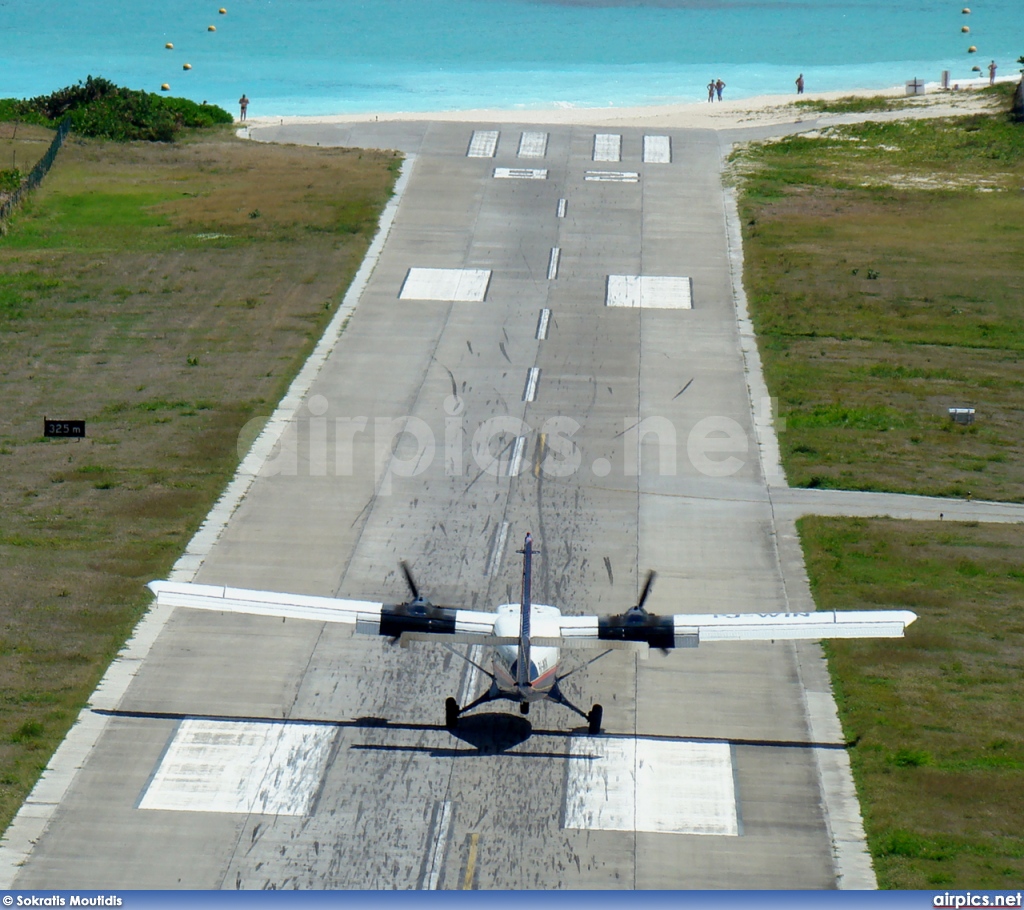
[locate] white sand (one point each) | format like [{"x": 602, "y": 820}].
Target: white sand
[{"x": 761, "y": 111}]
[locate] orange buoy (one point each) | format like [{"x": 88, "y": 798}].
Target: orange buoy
[
  {"x": 165, "y": 87},
  {"x": 972, "y": 50},
  {"x": 169, "y": 46},
  {"x": 211, "y": 28},
  {"x": 186, "y": 66},
  {"x": 965, "y": 29}
]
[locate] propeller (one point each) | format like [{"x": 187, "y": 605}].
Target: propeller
[
  {"x": 645, "y": 593},
  {"x": 410, "y": 581}
]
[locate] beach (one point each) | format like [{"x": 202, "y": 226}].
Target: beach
[{"x": 765, "y": 110}]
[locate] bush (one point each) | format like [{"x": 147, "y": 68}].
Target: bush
[{"x": 100, "y": 108}]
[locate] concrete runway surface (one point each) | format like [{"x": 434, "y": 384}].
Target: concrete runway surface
[{"x": 255, "y": 753}]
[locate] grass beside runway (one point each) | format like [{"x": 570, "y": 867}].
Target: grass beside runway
[
  {"x": 883, "y": 266},
  {"x": 166, "y": 294},
  {"x": 934, "y": 720}
]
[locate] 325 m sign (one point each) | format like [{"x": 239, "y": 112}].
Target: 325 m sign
[{"x": 63, "y": 429}]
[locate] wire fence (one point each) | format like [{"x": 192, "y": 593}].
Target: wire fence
[{"x": 35, "y": 177}]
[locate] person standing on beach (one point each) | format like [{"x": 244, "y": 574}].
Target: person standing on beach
[
  {"x": 800, "y": 84},
  {"x": 719, "y": 85},
  {"x": 992, "y": 73},
  {"x": 711, "y": 90},
  {"x": 243, "y": 103}
]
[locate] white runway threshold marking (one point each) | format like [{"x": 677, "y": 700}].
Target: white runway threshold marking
[
  {"x": 460, "y": 285},
  {"x": 241, "y": 766},
  {"x": 657, "y": 150},
  {"x": 483, "y": 144},
  {"x": 650, "y": 292},
  {"x": 660, "y": 786},
  {"x": 533, "y": 145},
  {"x": 520, "y": 173},
  {"x": 607, "y": 147},
  {"x": 612, "y": 176}
]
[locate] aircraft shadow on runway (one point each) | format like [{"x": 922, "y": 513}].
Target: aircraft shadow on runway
[{"x": 488, "y": 733}]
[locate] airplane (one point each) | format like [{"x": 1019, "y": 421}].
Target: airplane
[{"x": 527, "y": 637}]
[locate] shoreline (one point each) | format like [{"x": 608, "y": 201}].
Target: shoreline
[{"x": 728, "y": 114}]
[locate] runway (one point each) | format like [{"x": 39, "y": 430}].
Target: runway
[{"x": 548, "y": 343}]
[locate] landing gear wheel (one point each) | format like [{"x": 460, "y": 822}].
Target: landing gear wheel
[
  {"x": 594, "y": 719},
  {"x": 451, "y": 713},
  {"x": 524, "y": 707}
]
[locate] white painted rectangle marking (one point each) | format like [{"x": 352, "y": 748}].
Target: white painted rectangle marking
[
  {"x": 241, "y": 766},
  {"x": 553, "y": 263},
  {"x": 532, "y": 377},
  {"x": 607, "y": 147},
  {"x": 563, "y": 207},
  {"x": 483, "y": 144},
  {"x": 659, "y": 786},
  {"x": 654, "y": 292},
  {"x": 533, "y": 144},
  {"x": 612, "y": 176},
  {"x": 439, "y": 836},
  {"x": 520, "y": 173},
  {"x": 657, "y": 150},
  {"x": 542, "y": 324},
  {"x": 464, "y": 285},
  {"x": 515, "y": 465}
]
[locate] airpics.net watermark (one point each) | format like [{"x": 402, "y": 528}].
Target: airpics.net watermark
[{"x": 317, "y": 443}]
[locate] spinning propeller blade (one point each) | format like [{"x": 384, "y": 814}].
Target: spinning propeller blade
[
  {"x": 648, "y": 585},
  {"x": 407, "y": 572}
]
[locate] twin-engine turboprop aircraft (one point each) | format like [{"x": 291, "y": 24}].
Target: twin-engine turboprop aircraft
[{"x": 526, "y": 637}]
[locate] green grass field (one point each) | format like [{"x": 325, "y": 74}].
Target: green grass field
[
  {"x": 166, "y": 294},
  {"x": 885, "y": 272},
  {"x": 936, "y": 720}
]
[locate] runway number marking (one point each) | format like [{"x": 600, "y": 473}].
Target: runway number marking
[
  {"x": 607, "y": 147},
  {"x": 483, "y": 144},
  {"x": 532, "y": 377},
  {"x": 542, "y": 324}
]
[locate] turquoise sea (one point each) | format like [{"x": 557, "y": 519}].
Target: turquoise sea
[{"x": 339, "y": 56}]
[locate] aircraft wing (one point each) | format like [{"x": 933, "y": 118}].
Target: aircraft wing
[
  {"x": 367, "y": 616},
  {"x": 687, "y": 630}
]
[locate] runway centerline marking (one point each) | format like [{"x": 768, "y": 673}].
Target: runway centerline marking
[
  {"x": 563, "y": 207},
  {"x": 553, "y": 263},
  {"x": 515, "y": 464},
  {"x": 439, "y": 835},
  {"x": 542, "y": 324},
  {"x": 498, "y": 550},
  {"x": 653, "y": 292},
  {"x": 607, "y": 147},
  {"x": 483, "y": 144},
  {"x": 532, "y": 378}
]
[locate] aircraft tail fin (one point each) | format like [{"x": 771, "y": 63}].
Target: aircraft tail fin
[{"x": 523, "y": 658}]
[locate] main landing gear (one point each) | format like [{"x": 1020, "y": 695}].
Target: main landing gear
[{"x": 593, "y": 718}]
